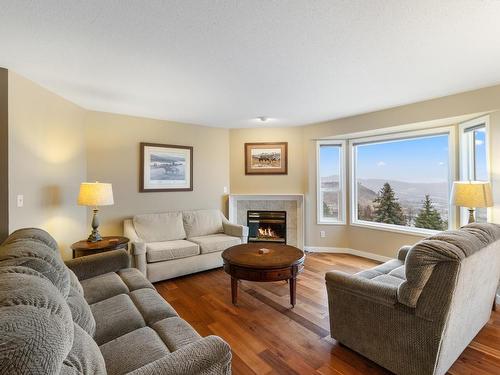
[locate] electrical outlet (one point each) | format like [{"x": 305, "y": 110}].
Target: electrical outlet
[
  {"x": 20, "y": 200},
  {"x": 322, "y": 234}
]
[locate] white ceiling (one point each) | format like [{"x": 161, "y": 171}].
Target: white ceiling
[{"x": 224, "y": 63}]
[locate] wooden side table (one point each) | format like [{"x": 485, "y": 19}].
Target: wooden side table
[{"x": 83, "y": 247}]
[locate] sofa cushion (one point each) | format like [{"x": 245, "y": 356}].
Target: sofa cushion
[
  {"x": 33, "y": 315},
  {"x": 151, "y": 305},
  {"x": 168, "y": 250},
  {"x": 175, "y": 332},
  {"x": 74, "y": 282},
  {"x": 133, "y": 350},
  {"x": 382, "y": 269},
  {"x": 34, "y": 234},
  {"x": 134, "y": 279},
  {"x": 103, "y": 286},
  {"x": 39, "y": 257},
  {"x": 84, "y": 356},
  {"x": 115, "y": 317},
  {"x": 398, "y": 272},
  {"x": 202, "y": 222},
  {"x": 166, "y": 226},
  {"x": 80, "y": 311},
  {"x": 215, "y": 242}
]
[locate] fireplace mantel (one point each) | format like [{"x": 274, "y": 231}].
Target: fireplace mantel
[{"x": 239, "y": 203}]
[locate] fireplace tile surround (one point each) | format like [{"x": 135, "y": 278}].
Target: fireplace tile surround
[{"x": 293, "y": 204}]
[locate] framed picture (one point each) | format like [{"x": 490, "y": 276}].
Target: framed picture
[
  {"x": 266, "y": 158},
  {"x": 166, "y": 168}
]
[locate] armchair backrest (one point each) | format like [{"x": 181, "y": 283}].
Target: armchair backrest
[{"x": 434, "y": 265}]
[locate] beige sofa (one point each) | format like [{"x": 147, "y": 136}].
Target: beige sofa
[
  {"x": 416, "y": 314},
  {"x": 171, "y": 244}
]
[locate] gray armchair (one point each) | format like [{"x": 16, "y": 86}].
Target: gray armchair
[{"x": 416, "y": 314}]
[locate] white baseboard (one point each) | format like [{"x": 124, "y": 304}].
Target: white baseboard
[{"x": 346, "y": 250}]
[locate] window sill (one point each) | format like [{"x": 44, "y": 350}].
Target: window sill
[{"x": 396, "y": 229}]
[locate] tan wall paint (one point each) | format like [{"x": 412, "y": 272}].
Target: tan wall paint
[
  {"x": 4, "y": 154},
  {"x": 292, "y": 183},
  {"x": 47, "y": 161},
  {"x": 113, "y": 156}
]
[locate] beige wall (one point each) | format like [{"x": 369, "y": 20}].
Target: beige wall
[
  {"x": 292, "y": 183},
  {"x": 4, "y": 154},
  {"x": 47, "y": 161},
  {"x": 113, "y": 156}
]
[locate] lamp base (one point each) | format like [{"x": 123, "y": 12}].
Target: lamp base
[
  {"x": 471, "y": 216},
  {"x": 95, "y": 235}
]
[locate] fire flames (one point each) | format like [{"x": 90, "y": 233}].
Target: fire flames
[{"x": 267, "y": 232}]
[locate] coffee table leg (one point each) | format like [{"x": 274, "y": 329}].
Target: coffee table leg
[
  {"x": 234, "y": 290},
  {"x": 293, "y": 286}
]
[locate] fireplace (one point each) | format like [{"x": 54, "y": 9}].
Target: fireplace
[{"x": 266, "y": 226}]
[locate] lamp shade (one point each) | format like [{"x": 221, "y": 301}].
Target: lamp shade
[
  {"x": 95, "y": 194},
  {"x": 472, "y": 194}
]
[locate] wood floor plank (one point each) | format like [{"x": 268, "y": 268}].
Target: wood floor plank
[{"x": 267, "y": 336}]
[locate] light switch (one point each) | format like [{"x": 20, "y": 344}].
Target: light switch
[
  {"x": 20, "y": 200},
  {"x": 225, "y": 189},
  {"x": 322, "y": 234}
]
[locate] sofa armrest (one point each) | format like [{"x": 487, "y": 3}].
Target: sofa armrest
[
  {"x": 403, "y": 252},
  {"x": 138, "y": 252},
  {"x": 98, "y": 264},
  {"x": 378, "y": 292},
  {"x": 129, "y": 231},
  {"x": 235, "y": 230},
  {"x": 210, "y": 355}
]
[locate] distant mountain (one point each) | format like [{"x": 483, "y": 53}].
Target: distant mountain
[
  {"x": 410, "y": 194},
  {"x": 411, "y": 191},
  {"x": 365, "y": 195}
]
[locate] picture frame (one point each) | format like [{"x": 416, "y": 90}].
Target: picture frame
[
  {"x": 165, "y": 168},
  {"x": 266, "y": 158}
]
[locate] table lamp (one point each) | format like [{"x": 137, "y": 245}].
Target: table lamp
[
  {"x": 95, "y": 194},
  {"x": 472, "y": 195}
]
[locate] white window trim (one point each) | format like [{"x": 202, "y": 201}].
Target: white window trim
[
  {"x": 342, "y": 183},
  {"x": 465, "y": 160},
  {"x": 450, "y": 130}
]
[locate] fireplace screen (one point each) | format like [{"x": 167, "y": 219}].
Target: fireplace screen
[{"x": 266, "y": 226}]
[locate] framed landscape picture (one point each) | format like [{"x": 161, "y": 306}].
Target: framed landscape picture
[
  {"x": 166, "y": 168},
  {"x": 266, "y": 158}
]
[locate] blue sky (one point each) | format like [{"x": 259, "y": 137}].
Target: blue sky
[
  {"x": 480, "y": 140},
  {"x": 415, "y": 160},
  {"x": 329, "y": 160}
]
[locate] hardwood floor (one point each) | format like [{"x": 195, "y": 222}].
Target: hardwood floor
[{"x": 267, "y": 336}]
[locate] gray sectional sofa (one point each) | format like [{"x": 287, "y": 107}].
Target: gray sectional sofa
[
  {"x": 172, "y": 244},
  {"x": 416, "y": 314},
  {"x": 94, "y": 315}
]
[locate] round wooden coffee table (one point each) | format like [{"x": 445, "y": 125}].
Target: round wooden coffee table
[{"x": 263, "y": 262}]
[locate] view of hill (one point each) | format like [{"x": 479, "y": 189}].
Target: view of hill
[{"x": 409, "y": 194}]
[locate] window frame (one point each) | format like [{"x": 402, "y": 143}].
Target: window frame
[
  {"x": 466, "y": 149},
  {"x": 392, "y": 137},
  {"x": 342, "y": 183}
]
